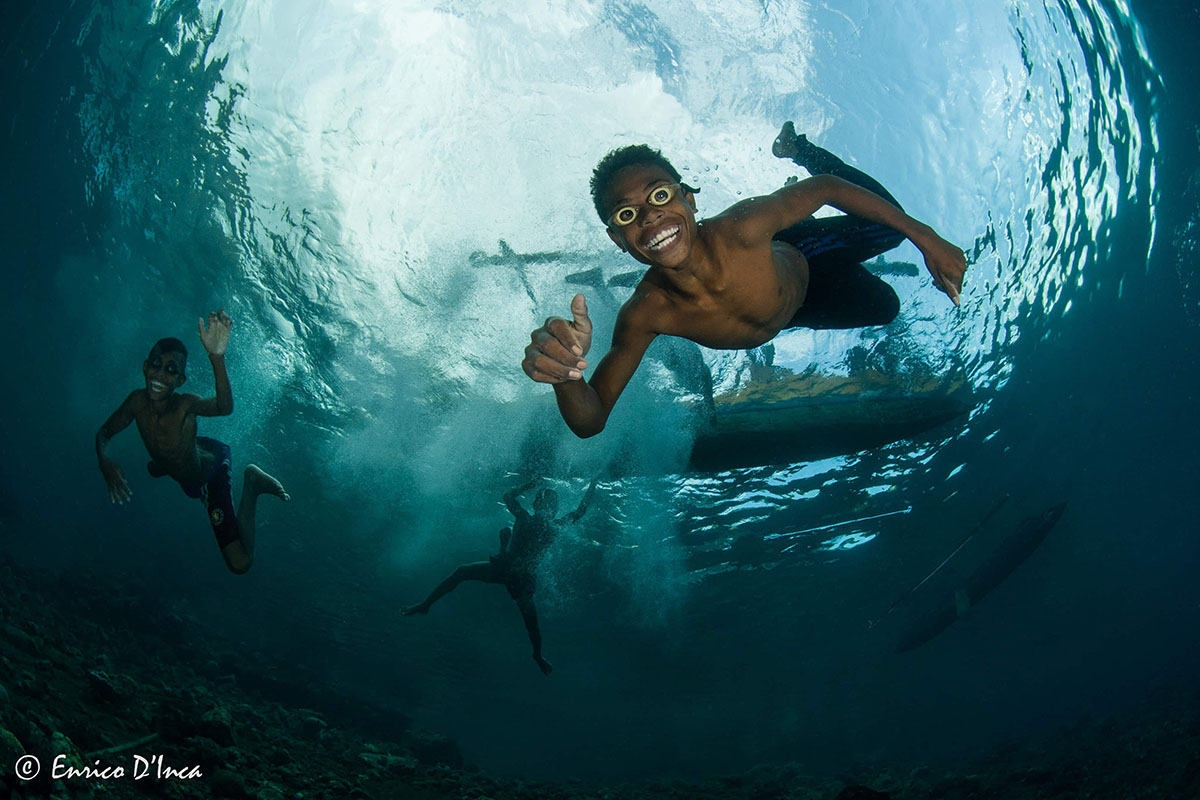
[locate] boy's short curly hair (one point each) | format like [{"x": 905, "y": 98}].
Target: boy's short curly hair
[
  {"x": 618, "y": 159},
  {"x": 169, "y": 345}
]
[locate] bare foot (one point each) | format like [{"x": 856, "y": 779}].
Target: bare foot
[
  {"x": 788, "y": 144},
  {"x": 785, "y": 142},
  {"x": 260, "y": 482},
  {"x": 545, "y": 665},
  {"x": 419, "y": 608}
]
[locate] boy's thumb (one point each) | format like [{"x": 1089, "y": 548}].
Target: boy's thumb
[{"x": 579, "y": 308}]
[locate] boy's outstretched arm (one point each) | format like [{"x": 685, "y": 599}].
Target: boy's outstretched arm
[
  {"x": 555, "y": 356},
  {"x": 118, "y": 488},
  {"x": 578, "y": 513},
  {"x": 765, "y": 216},
  {"x": 510, "y": 498},
  {"x": 215, "y": 340}
]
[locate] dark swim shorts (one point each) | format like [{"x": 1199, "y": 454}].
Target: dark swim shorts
[
  {"x": 841, "y": 292},
  {"x": 217, "y": 491},
  {"x": 516, "y": 575}
]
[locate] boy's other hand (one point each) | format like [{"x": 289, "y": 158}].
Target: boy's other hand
[
  {"x": 946, "y": 263},
  {"x": 216, "y": 338},
  {"x": 118, "y": 489},
  {"x": 556, "y": 352}
]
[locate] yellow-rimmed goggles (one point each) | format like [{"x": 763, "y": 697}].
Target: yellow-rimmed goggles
[{"x": 659, "y": 196}]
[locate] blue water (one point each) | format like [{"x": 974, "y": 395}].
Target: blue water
[{"x": 329, "y": 172}]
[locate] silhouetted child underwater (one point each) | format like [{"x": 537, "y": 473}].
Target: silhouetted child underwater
[
  {"x": 201, "y": 466},
  {"x": 732, "y": 281},
  {"x": 515, "y": 566}
]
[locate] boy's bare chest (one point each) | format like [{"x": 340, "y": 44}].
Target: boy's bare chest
[
  {"x": 167, "y": 433},
  {"x": 747, "y": 299}
]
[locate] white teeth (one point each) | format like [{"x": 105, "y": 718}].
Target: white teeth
[{"x": 663, "y": 239}]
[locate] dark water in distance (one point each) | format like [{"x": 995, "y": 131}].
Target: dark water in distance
[{"x": 325, "y": 176}]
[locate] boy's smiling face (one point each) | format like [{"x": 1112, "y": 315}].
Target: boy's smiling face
[
  {"x": 659, "y": 234},
  {"x": 164, "y": 373}
]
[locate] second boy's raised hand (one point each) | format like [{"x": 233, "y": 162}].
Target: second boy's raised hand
[
  {"x": 216, "y": 338},
  {"x": 556, "y": 352}
]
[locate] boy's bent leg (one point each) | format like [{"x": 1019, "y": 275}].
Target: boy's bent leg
[
  {"x": 853, "y": 239},
  {"x": 529, "y": 614},
  {"x": 234, "y": 531},
  {"x": 236, "y": 557},
  {"x": 479, "y": 571},
  {"x": 819, "y": 161},
  {"x": 255, "y": 482}
]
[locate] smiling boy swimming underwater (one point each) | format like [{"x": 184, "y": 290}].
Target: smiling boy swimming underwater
[
  {"x": 732, "y": 281},
  {"x": 201, "y": 466}
]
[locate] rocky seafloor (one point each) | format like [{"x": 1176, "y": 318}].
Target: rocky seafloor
[{"x": 89, "y": 679}]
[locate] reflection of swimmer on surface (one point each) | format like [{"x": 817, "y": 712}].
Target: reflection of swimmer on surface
[
  {"x": 733, "y": 281},
  {"x": 201, "y": 466},
  {"x": 515, "y": 566},
  {"x": 508, "y": 256}
]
